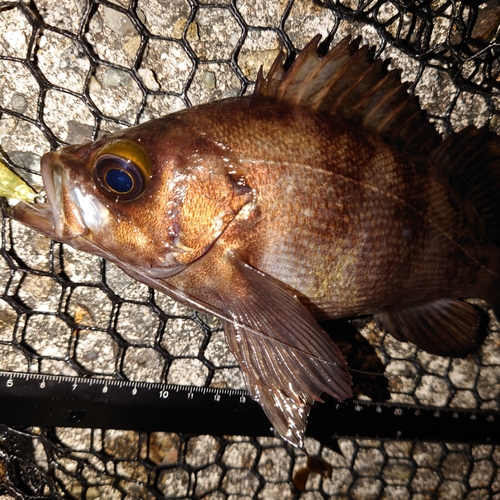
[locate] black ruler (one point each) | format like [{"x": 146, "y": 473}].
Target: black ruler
[{"x": 59, "y": 401}]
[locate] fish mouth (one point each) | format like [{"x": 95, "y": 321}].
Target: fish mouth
[{"x": 60, "y": 218}]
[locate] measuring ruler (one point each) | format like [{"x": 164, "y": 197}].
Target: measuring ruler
[{"x": 59, "y": 401}]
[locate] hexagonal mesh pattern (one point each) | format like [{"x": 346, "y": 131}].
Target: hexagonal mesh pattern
[{"x": 71, "y": 71}]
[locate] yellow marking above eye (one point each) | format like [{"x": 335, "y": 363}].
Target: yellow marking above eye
[{"x": 129, "y": 151}]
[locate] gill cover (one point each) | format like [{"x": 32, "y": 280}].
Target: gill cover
[{"x": 205, "y": 198}]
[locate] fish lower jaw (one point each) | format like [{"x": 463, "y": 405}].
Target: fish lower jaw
[{"x": 37, "y": 216}]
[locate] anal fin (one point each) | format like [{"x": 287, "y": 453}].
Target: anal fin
[
  {"x": 286, "y": 358},
  {"x": 445, "y": 327}
]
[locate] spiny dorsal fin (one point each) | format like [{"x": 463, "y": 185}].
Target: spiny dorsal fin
[
  {"x": 472, "y": 159},
  {"x": 347, "y": 83}
]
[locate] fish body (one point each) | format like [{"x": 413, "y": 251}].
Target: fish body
[
  {"x": 277, "y": 209},
  {"x": 347, "y": 222}
]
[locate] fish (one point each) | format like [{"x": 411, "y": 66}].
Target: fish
[{"x": 325, "y": 194}]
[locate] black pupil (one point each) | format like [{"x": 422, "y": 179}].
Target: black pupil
[{"x": 119, "y": 180}]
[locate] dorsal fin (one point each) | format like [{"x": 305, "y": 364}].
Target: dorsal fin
[
  {"x": 346, "y": 82},
  {"x": 471, "y": 158}
]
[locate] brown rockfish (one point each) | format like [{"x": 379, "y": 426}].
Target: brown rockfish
[{"x": 325, "y": 194}]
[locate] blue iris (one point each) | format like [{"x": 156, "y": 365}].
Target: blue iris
[{"x": 119, "y": 180}]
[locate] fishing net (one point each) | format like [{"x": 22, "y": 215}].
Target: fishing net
[{"x": 72, "y": 71}]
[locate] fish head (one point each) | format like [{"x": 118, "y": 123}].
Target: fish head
[{"x": 140, "y": 198}]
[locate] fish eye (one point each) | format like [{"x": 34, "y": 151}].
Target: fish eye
[{"x": 121, "y": 171}]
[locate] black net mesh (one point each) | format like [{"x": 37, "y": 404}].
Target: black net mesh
[{"x": 73, "y": 70}]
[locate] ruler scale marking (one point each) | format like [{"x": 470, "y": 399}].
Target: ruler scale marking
[{"x": 61, "y": 401}]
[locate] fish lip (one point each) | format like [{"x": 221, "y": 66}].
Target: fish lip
[
  {"x": 61, "y": 217},
  {"x": 66, "y": 212},
  {"x": 43, "y": 217},
  {"x": 52, "y": 182}
]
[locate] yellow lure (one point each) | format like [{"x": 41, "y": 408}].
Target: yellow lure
[{"x": 12, "y": 186}]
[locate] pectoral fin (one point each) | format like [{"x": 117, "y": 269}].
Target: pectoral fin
[
  {"x": 444, "y": 327},
  {"x": 287, "y": 360}
]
